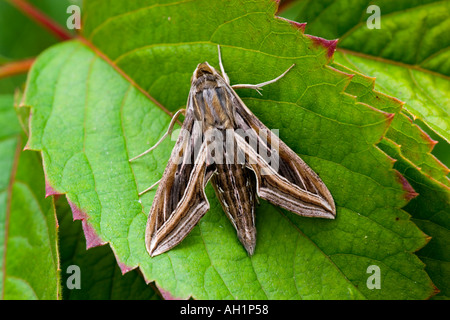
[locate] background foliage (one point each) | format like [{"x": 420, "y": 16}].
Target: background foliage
[{"x": 107, "y": 94}]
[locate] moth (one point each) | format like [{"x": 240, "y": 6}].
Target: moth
[{"x": 240, "y": 173}]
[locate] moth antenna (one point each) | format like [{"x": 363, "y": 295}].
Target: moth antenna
[
  {"x": 168, "y": 133},
  {"x": 259, "y": 85},
  {"x": 222, "y": 69},
  {"x": 149, "y": 188}
]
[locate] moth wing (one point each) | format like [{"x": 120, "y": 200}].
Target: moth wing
[
  {"x": 293, "y": 185},
  {"x": 180, "y": 201}
]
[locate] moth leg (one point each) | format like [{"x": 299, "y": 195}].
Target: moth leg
[
  {"x": 259, "y": 86},
  {"x": 149, "y": 188},
  {"x": 168, "y": 133},
  {"x": 222, "y": 69}
]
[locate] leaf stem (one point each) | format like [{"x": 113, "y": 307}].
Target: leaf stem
[
  {"x": 42, "y": 19},
  {"x": 16, "y": 67}
]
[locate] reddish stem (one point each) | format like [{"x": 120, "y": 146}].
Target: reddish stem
[
  {"x": 42, "y": 19},
  {"x": 17, "y": 67}
]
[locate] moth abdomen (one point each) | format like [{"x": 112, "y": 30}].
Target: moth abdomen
[{"x": 235, "y": 188}]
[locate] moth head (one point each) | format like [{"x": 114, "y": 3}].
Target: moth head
[{"x": 203, "y": 69}]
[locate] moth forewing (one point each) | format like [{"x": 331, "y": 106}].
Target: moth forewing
[{"x": 180, "y": 200}]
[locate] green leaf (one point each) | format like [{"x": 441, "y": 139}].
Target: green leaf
[
  {"x": 431, "y": 208},
  {"x": 442, "y": 149},
  {"x": 100, "y": 276},
  {"x": 28, "y": 227},
  {"x": 413, "y": 148},
  {"x": 426, "y": 95},
  {"x": 408, "y": 55},
  {"x": 422, "y": 43},
  {"x": 93, "y": 110},
  {"x": 416, "y": 145},
  {"x": 431, "y": 213}
]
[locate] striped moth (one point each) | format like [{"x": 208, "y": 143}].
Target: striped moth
[{"x": 224, "y": 143}]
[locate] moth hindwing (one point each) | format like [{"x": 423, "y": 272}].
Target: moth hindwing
[{"x": 221, "y": 141}]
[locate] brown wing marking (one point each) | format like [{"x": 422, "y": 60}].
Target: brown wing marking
[{"x": 180, "y": 200}]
